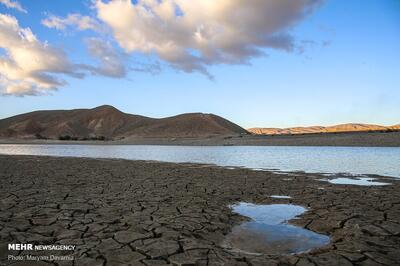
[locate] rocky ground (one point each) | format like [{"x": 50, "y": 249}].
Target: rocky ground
[
  {"x": 349, "y": 139},
  {"x": 120, "y": 212}
]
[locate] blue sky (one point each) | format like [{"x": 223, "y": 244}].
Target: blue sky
[{"x": 345, "y": 69}]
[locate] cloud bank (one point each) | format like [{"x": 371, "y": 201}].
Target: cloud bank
[
  {"x": 192, "y": 35},
  {"x": 189, "y": 36},
  {"x": 28, "y": 66}
]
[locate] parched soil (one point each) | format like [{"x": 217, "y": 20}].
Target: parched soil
[{"x": 120, "y": 212}]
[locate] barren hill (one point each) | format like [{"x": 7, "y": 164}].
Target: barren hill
[
  {"x": 108, "y": 122},
  {"x": 351, "y": 127}
]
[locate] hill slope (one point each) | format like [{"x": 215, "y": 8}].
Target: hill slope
[
  {"x": 351, "y": 127},
  {"x": 109, "y": 122}
]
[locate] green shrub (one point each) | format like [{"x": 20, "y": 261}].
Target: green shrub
[
  {"x": 38, "y": 136},
  {"x": 65, "y": 137}
]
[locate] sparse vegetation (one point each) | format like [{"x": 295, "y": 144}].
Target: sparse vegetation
[
  {"x": 39, "y": 136},
  {"x": 65, "y": 137},
  {"x": 74, "y": 138},
  {"x": 101, "y": 138}
]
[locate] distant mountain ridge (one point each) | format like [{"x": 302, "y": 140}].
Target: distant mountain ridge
[
  {"x": 107, "y": 122},
  {"x": 350, "y": 127},
  {"x": 110, "y": 123}
]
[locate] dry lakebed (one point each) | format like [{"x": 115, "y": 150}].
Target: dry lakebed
[{"x": 122, "y": 212}]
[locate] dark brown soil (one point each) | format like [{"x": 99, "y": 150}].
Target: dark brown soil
[
  {"x": 350, "y": 139},
  {"x": 120, "y": 212}
]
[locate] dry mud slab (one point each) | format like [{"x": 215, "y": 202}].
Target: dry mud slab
[{"x": 120, "y": 212}]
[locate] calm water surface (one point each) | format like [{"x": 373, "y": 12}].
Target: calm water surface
[
  {"x": 352, "y": 160},
  {"x": 268, "y": 231},
  {"x": 358, "y": 181}
]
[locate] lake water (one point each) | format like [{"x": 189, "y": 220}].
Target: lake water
[
  {"x": 268, "y": 231},
  {"x": 353, "y": 160}
]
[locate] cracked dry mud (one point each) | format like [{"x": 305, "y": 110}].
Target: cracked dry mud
[{"x": 121, "y": 212}]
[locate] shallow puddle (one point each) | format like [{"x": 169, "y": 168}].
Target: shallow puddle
[
  {"x": 269, "y": 233},
  {"x": 280, "y": 197},
  {"x": 358, "y": 181}
]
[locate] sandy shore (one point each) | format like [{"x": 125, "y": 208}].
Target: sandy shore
[
  {"x": 120, "y": 212},
  {"x": 357, "y": 139}
]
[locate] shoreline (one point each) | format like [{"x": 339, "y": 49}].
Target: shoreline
[
  {"x": 156, "y": 213},
  {"x": 345, "y": 139}
]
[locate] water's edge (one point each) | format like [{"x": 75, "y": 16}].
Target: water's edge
[{"x": 338, "y": 160}]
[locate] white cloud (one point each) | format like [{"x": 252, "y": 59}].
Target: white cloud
[
  {"x": 111, "y": 62},
  {"x": 191, "y": 35},
  {"x": 28, "y": 66},
  {"x": 72, "y": 20},
  {"x": 13, "y": 4}
]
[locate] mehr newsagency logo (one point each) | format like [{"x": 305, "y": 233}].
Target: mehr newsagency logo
[{"x": 33, "y": 248}]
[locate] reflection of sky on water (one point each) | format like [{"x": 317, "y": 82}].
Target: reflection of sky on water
[
  {"x": 353, "y": 160},
  {"x": 268, "y": 231},
  {"x": 280, "y": 197},
  {"x": 358, "y": 181}
]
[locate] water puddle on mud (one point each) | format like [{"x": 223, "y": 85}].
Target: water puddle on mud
[
  {"x": 280, "y": 197},
  {"x": 269, "y": 233},
  {"x": 358, "y": 181}
]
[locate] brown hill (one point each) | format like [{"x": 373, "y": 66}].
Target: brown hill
[
  {"x": 107, "y": 121},
  {"x": 282, "y": 131},
  {"x": 351, "y": 127},
  {"x": 354, "y": 127}
]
